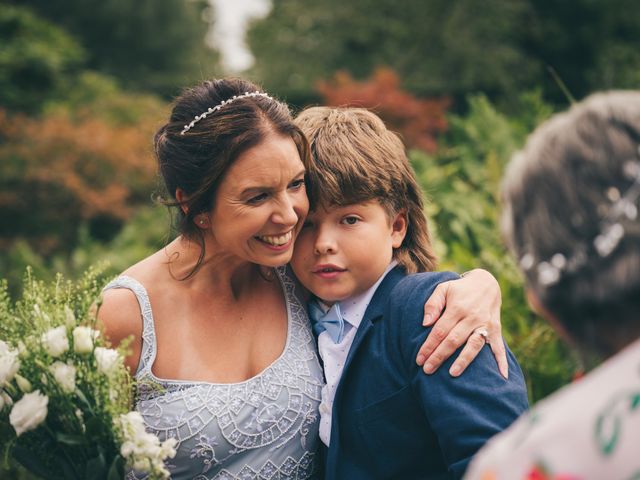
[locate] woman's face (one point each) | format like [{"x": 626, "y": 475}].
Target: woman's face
[{"x": 261, "y": 203}]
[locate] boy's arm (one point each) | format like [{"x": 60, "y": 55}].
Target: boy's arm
[
  {"x": 472, "y": 303},
  {"x": 463, "y": 412}
]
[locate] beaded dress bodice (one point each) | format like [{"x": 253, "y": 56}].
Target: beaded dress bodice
[{"x": 263, "y": 428}]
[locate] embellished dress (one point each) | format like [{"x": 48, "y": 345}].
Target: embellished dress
[{"x": 265, "y": 427}]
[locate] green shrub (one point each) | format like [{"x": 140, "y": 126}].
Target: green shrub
[{"x": 462, "y": 183}]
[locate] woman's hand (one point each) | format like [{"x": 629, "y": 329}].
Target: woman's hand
[{"x": 472, "y": 304}]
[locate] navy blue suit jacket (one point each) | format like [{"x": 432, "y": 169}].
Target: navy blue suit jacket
[{"x": 392, "y": 421}]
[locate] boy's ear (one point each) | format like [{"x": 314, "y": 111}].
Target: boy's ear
[
  {"x": 399, "y": 228},
  {"x": 181, "y": 197}
]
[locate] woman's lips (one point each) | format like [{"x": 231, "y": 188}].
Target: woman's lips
[{"x": 277, "y": 242}]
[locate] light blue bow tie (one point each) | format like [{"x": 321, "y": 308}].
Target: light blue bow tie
[{"x": 331, "y": 321}]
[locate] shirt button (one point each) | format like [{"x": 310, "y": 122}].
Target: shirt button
[{"x": 324, "y": 409}]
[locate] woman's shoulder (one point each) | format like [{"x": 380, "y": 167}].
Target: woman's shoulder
[{"x": 123, "y": 300}]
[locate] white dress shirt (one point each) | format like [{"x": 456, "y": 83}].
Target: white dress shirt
[{"x": 334, "y": 355}]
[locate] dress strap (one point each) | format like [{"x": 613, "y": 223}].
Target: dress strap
[{"x": 148, "y": 353}]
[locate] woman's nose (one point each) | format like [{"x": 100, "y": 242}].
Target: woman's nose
[{"x": 286, "y": 213}]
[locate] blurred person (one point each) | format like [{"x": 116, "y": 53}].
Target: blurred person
[
  {"x": 221, "y": 348},
  {"x": 381, "y": 417},
  {"x": 571, "y": 219}
]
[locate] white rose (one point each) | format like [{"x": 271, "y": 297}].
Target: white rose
[
  {"x": 107, "y": 359},
  {"x": 65, "y": 375},
  {"x": 83, "y": 338},
  {"x": 142, "y": 464},
  {"x": 55, "y": 341},
  {"x": 169, "y": 448},
  {"x": 29, "y": 412},
  {"x": 9, "y": 363},
  {"x": 126, "y": 449}
]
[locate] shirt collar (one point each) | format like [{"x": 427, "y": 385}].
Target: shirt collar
[{"x": 354, "y": 308}]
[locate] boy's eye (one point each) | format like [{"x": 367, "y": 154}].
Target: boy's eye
[
  {"x": 351, "y": 220},
  {"x": 307, "y": 224},
  {"x": 297, "y": 184}
]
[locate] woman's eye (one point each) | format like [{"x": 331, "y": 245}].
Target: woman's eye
[
  {"x": 307, "y": 224},
  {"x": 350, "y": 220},
  {"x": 257, "y": 199}
]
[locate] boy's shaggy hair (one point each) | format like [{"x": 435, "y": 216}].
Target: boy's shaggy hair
[{"x": 355, "y": 160}]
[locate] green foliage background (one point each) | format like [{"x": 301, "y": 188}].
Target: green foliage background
[
  {"x": 443, "y": 47},
  {"x": 462, "y": 183},
  {"x": 107, "y": 68}
]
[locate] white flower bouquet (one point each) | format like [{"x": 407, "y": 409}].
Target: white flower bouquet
[{"x": 65, "y": 395}]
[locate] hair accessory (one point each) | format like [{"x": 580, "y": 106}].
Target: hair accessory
[
  {"x": 210, "y": 110},
  {"x": 611, "y": 232}
]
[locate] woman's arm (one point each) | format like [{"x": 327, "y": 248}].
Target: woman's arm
[{"x": 472, "y": 302}]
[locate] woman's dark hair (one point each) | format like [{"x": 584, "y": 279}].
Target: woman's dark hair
[
  {"x": 558, "y": 194},
  {"x": 196, "y": 161}
]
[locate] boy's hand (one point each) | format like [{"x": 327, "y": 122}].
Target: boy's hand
[{"x": 472, "y": 305}]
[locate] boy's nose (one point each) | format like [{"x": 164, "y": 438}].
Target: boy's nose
[{"x": 324, "y": 244}]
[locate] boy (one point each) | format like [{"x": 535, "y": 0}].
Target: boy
[{"x": 381, "y": 417}]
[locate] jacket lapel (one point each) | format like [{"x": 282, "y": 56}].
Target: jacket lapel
[{"x": 374, "y": 312}]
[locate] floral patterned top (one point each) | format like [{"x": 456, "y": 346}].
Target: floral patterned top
[
  {"x": 263, "y": 428},
  {"x": 588, "y": 430}
]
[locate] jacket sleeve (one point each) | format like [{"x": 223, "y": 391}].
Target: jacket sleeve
[{"x": 463, "y": 412}]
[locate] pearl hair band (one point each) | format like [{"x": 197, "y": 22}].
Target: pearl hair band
[
  {"x": 611, "y": 233},
  {"x": 210, "y": 110}
]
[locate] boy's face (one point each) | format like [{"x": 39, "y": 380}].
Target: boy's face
[{"x": 342, "y": 251}]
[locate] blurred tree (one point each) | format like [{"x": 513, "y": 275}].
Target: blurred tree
[
  {"x": 38, "y": 60},
  {"x": 145, "y": 232},
  {"x": 461, "y": 182},
  {"x": 436, "y": 46},
  {"x": 592, "y": 45},
  {"x": 56, "y": 173},
  {"x": 153, "y": 45},
  {"x": 419, "y": 121},
  {"x": 440, "y": 47}
]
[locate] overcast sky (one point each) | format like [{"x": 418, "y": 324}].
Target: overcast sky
[{"x": 228, "y": 32}]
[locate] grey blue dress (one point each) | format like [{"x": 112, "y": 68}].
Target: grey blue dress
[{"x": 263, "y": 428}]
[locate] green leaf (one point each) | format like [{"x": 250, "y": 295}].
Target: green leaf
[
  {"x": 93, "y": 427},
  {"x": 31, "y": 461},
  {"x": 71, "y": 439},
  {"x": 116, "y": 471},
  {"x": 84, "y": 400},
  {"x": 96, "y": 468},
  {"x": 67, "y": 468}
]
